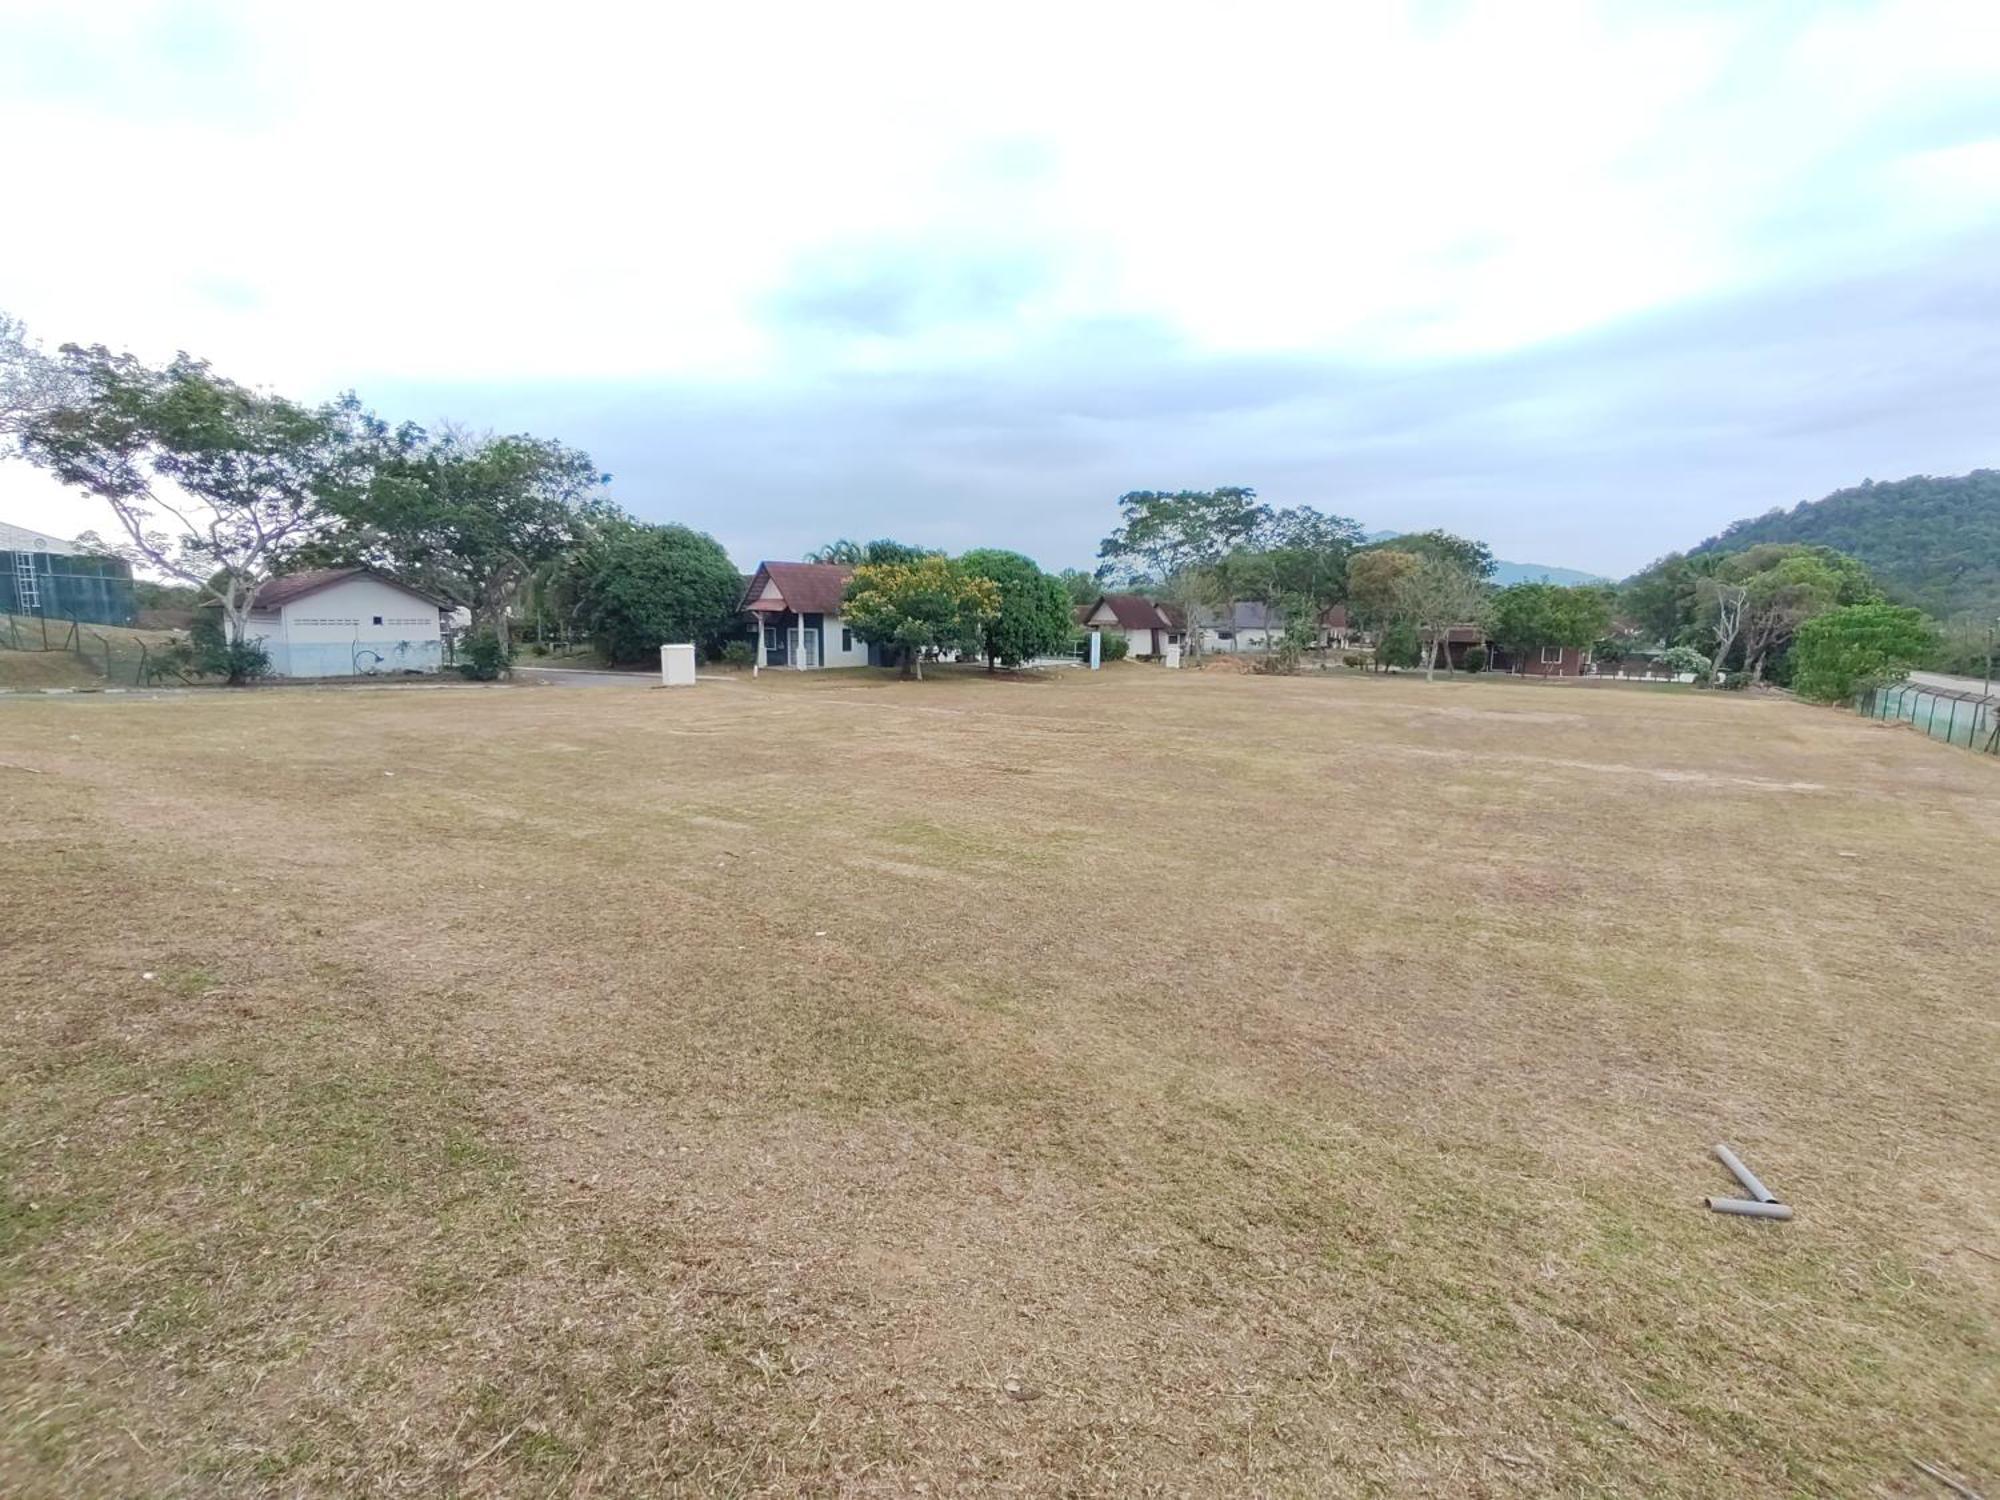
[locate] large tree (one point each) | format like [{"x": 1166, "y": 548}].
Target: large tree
[
  {"x": 1081, "y": 584},
  {"x": 636, "y": 587},
  {"x": 1177, "y": 537},
  {"x": 1372, "y": 579},
  {"x": 1843, "y": 650},
  {"x": 1437, "y": 596},
  {"x": 1310, "y": 552},
  {"x": 854, "y": 554},
  {"x": 469, "y": 518},
  {"x": 931, "y": 604},
  {"x": 214, "y": 484},
  {"x": 1035, "y": 617},
  {"x": 1527, "y": 617},
  {"x": 1473, "y": 557},
  {"x": 34, "y": 385}
]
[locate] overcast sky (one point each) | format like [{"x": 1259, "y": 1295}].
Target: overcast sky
[{"x": 1585, "y": 280}]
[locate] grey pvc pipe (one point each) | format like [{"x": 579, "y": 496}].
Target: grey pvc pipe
[
  {"x": 1748, "y": 1208},
  {"x": 1745, "y": 1176}
]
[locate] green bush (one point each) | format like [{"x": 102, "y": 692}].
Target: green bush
[
  {"x": 1860, "y": 645},
  {"x": 1399, "y": 647},
  {"x": 1735, "y": 682},
  {"x": 1474, "y": 659},
  {"x": 1114, "y": 648},
  {"x": 482, "y": 657},
  {"x": 1351, "y": 660},
  {"x": 738, "y": 653},
  {"x": 1686, "y": 659},
  {"x": 205, "y": 653},
  {"x": 538, "y": 649}
]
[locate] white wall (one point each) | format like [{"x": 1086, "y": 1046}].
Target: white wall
[
  {"x": 334, "y": 631},
  {"x": 856, "y": 655}
]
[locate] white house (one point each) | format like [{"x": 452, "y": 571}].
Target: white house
[
  {"x": 1146, "y": 626},
  {"x": 346, "y": 622},
  {"x": 797, "y": 609}
]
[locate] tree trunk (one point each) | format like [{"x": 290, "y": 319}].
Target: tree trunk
[
  {"x": 1430, "y": 658},
  {"x": 989, "y": 661}
]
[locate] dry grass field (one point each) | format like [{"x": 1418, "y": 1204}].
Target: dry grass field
[{"x": 1143, "y": 1084}]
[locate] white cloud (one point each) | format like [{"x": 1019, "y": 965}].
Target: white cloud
[{"x": 372, "y": 193}]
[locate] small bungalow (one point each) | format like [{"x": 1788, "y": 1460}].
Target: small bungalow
[
  {"x": 1547, "y": 661},
  {"x": 1147, "y": 626},
  {"x": 1335, "y": 629},
  {"x": 347, "y": 622},
  {"x": 796, "y": 607},
  {"x": 1245, "y": 626}
]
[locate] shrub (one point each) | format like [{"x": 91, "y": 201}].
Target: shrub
[
  {"x": 738, "y": 653},
  {"x": 1735, "y": 682},
  {"x": 1474, "y": 659},
  {"x": 206, "y": 653},
  {"x": 1686, "y": 659},
  {"x": 1400, "y": 647},
  {"x": 1114, "y": 648},
  {"x": 1351, "y": 660},
  {"x": 538, "y": 649},
  {"x": 482, "y": 657},
  {"x": 1860, "y": 645}
]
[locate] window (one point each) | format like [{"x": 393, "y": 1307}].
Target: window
[
  {"x": 378, "y": 619},
  {"x": 1552, "y": 656},
  {"x": 846, "y": 639}
]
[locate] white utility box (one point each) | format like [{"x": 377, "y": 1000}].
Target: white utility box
[{"x": 677, "y": 666}]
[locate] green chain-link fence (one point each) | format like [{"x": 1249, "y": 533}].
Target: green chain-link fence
[{"x": 1957, "y": 718}]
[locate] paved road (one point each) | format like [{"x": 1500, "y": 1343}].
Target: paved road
[{"x": 1948, "y": 682}]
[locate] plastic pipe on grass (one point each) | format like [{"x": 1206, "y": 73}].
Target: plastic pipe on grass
[
  {"x": 1747, "y": 1177},
  {"x": 1748, "y": 1208}
]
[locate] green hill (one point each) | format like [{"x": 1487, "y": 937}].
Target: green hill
[{"x": 1932, "y": 541}]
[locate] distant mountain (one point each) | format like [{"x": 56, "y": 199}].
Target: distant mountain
[
  {"x": 1505, "y": 573},
  {"x": 1932, "y": 541}
]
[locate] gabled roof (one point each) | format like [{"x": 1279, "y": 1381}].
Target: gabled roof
[
  {"x": 1132, "y": 612},
  {"x": 275, "y": 593},
  {"x": 806, "y": 588},
  {"x": 1244, "y": 614}
]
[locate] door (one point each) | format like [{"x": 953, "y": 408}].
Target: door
[{"x": 775, "y": 637}]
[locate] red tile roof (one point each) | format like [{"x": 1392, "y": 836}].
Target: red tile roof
[
  {"x": 806, "y": 588},
  {"x": 280, "y": 591}
]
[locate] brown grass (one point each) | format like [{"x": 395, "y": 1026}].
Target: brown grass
[{"x": 1131, "y": 1084}]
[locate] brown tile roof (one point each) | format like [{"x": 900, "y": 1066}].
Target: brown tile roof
[
  {"x": 1133, "y": 612},
  {"x": 806, "y": 588},
  {"x": 280, "y": 591}
]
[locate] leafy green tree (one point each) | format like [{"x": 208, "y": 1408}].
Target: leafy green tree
[
  {"x": 1178, "y": 538},
  {"x": 637, "y": 587},
  {"x": 1081, "y": 585},
  {"x": 852, "y": 554},
  {"x": 931, "y": 604},
  {"x": 214, "y": 484},
  {"x": 34, "y": 386},
  {"x": 1035, "y": 616},
  {"x": 1437, "y": 596},
  {"x": 1527, "y": 617},
  {"x": 1399, "y": 646},
  {"x": 1463, "y": 553},
  {"x": 1679, "y": 659},
  {"x": 1843, "y": 650},
  {"x": 1371, "y": 586},
  {"x": 1309, "y": 553},
  {"x": 468, "y": 518}
]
